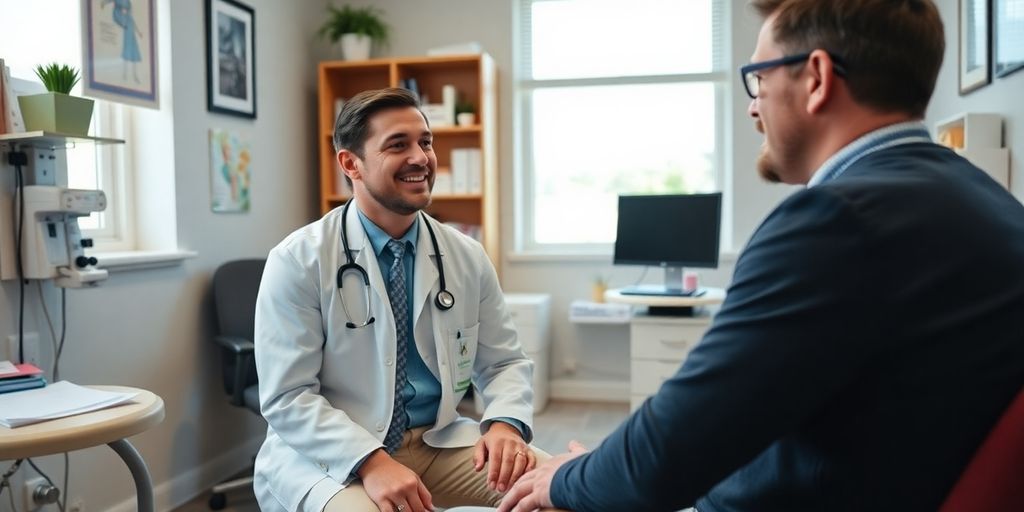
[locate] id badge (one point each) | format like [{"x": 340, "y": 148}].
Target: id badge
[{"x": 461, "y": 354}]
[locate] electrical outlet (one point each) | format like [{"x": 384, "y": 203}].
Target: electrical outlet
[{"x": 32, "y": 349}]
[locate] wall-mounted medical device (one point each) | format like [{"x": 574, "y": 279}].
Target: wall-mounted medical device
[{"x": 52, "y": 244}]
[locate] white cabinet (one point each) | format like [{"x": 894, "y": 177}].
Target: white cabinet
[
  {"x": 531, "y": 314},
  {"x": 657, "y": 347},
  {"x": 979, "y": 139}
]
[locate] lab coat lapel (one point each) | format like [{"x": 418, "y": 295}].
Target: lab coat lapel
[{"x": 425, "y": 275}]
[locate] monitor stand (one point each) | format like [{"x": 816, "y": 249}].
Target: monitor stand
[{"x": 673, "y": 286}]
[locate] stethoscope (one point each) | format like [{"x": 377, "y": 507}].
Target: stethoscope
[{"x": 444, "y": 300}]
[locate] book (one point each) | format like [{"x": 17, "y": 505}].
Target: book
[
  {"x": 10, "y": 385},
  {"x": 9, "y": 370},
  {"x": 12, "y": 121}
]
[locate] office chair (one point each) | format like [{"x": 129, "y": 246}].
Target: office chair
[
  {"x": 994, "y": 479},
  {"x": 235, "y": 285}
]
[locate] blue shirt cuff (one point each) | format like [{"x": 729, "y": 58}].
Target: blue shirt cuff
[{"x": 520, "y": 426}]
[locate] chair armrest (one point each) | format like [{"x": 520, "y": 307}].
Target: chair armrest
[
  {"x": 235, "y": 344},
  {"x": 243, "y": 350}
]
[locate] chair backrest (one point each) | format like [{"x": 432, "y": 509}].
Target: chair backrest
[
  {"x": 994, "y": 479},
  {"x": 235, "y": 285}
]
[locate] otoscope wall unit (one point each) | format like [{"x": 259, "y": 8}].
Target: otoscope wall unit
[{"x": 43, "y": 212}]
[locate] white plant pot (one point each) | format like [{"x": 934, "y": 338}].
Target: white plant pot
[{"x": 355, "y": 47}]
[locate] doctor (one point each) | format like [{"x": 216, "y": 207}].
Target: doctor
[{"x": 371, "y": 323}]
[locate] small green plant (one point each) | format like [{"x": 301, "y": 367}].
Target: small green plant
[
  {"x": 464, "y": 107},
  {"x": 56, "y": 77},
  {"x": 354, "y": 20}
]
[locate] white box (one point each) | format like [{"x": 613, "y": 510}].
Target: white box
[
  {"x": 435, "y": 114},
  {"x": 460, "y": 171},
  {"x": 475, "y": 171},
  {"x": 443, "y": 183}
]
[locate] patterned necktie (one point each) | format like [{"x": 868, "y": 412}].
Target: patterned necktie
[{"x": 400, "y": 306}]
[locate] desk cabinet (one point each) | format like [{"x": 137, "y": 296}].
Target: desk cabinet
[{"x": 657, "y": 348}]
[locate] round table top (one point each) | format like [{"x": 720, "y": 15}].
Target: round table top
[
  {"x": 144, "y": 412},
  {"x": 711, "y": 297}
]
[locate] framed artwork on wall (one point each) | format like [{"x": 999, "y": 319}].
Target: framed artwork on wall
[
  {"x": 1008, "y": 37},
  {"x": 974, "y": 69},
  {"x": 119, "y": 54},
  {"x": 230, "y": 58}
]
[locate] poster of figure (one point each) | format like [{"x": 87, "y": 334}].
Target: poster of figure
[
  {"x": 119, "y": 60},
  {"x": 230, "y": 160},
  {"x": 230, "y": 68}
]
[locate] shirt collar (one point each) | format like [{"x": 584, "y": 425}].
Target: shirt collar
[
  {"x": 379, "y": 239},
  {"x": 885, "y": 137}
]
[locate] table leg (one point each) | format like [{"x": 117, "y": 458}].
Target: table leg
[{"x": 143, "y": 483}]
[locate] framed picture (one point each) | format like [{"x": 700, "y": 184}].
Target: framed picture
[
  {"x": 230, "y": 160},
  {"x": 230, "y": 58},
  {"x": 119, "y": 51},
  {"x": 1008, "y": 23},
  {"x": 974, "y": 45}
]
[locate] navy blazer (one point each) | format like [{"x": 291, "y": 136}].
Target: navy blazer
[{"x": 872, "y": 335}]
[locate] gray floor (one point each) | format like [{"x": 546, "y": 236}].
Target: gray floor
[{"x": 554, "y": 427}]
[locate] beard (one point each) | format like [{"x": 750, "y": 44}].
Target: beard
[
  {"x": 766, "y": 165},
  {"x": 398, "y": 203}
]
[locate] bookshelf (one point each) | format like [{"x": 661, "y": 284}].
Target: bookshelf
[{"x": 474, "y": 78}]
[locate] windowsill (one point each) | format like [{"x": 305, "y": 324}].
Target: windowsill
[
  {"x": 120, "y": 261},
  {"x": 566, "y": 257}
]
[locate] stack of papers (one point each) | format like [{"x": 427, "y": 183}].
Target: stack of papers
[{"x": 57, "y": 400}]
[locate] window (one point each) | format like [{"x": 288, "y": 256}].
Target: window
[
  {"x": 89, "y": 166},
  {"x": 613, "y": 99}
]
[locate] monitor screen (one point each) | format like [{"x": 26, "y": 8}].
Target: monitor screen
[{"x": 669, "y": 230}]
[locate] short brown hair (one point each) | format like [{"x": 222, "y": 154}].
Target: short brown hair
[
  {"x": 892, "y": 49},
  {"x": 353, "y": 124}
]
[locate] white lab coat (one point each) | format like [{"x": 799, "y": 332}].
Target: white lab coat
[{"x": 327, "y": 391}]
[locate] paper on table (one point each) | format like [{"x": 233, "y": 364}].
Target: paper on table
[
  {"x": 7, "y": 367},
  {"x": 57, "y": 400}
]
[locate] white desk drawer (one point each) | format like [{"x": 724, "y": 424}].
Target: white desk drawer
[
  {"x": 646, "y": 376},
  {"x": 666, "y": 342}
]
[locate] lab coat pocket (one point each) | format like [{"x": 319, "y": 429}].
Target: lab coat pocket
[{"x": 461, "y": 354}]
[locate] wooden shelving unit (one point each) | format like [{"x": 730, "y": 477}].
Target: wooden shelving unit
[{"x": 474, "y": 78}]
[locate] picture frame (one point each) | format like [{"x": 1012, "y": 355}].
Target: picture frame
[
  {"x": 1008, "y": 36},
  {"x": 119, "y": 51},
  {"x": 974, "y": 62},
  {"x": 230, "y": 58}
]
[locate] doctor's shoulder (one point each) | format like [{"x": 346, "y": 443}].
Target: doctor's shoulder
[{"x": 310, "y": 240}]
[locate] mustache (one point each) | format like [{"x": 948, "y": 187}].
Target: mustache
[{"x": 759, "y": 126}]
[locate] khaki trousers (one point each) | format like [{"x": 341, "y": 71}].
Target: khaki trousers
[{"x": 446, "y": 472}]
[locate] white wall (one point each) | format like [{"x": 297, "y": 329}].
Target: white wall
[{"x": 151, "y": 328}]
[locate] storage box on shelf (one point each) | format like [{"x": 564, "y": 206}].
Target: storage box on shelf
[
  {"x": 979, "y": 139},
  {"x": 474, "y": 80}
]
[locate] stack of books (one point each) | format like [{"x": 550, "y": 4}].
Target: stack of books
[{"x": 18, "y": 377}]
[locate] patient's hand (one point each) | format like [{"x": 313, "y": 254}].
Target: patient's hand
[{"x": 533, "y": 490}]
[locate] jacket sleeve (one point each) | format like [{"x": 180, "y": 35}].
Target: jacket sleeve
[
  {"x": 793, "y": 330},
  {"x": 289, "y": 351},
  {"x": 501, "y": 370}
]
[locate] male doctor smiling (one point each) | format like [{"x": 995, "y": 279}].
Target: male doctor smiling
[{"x": 364, "y": 352}]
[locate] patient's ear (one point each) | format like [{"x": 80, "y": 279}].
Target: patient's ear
[{"x": 820, "y": 80}]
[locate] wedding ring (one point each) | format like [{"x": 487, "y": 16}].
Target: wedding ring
[
  {"x": 400, "y": 508},
  {"x": 520, "y": 453}
]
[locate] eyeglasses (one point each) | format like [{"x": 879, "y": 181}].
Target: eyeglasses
[{"x": 752, "y": 81}]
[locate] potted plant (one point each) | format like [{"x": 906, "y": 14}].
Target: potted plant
[
  {"x": 356, "y": 28},
  {"x": 57, "y": 111},
  {"x": 465, "y": 114}
]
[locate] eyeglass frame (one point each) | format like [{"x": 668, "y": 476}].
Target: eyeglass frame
[{"x": 837, "y": 65}]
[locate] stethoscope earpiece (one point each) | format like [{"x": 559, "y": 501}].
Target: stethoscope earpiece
[{"x": 444, "y": 300}]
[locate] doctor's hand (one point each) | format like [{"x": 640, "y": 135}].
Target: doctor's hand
[
  {"x": 533, "y": 491},
  {"x": 507, "y": 455},
  {"x": 392, "y": 486}
]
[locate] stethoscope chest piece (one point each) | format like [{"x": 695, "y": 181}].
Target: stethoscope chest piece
[{"x": 444, "y": 300}]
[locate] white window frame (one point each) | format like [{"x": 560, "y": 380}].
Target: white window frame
[
  {"x": 115, "y": 178},
  {"x": 525, "y": 178}
]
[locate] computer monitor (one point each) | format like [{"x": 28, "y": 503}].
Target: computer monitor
[{"x": 670, "y": 231}]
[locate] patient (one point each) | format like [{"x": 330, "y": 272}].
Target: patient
[{"x": 842, "y": 372}]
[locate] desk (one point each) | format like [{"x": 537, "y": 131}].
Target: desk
[
  {"x": 108, "y": 426},
  {"x": 658, "y": 344}
]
